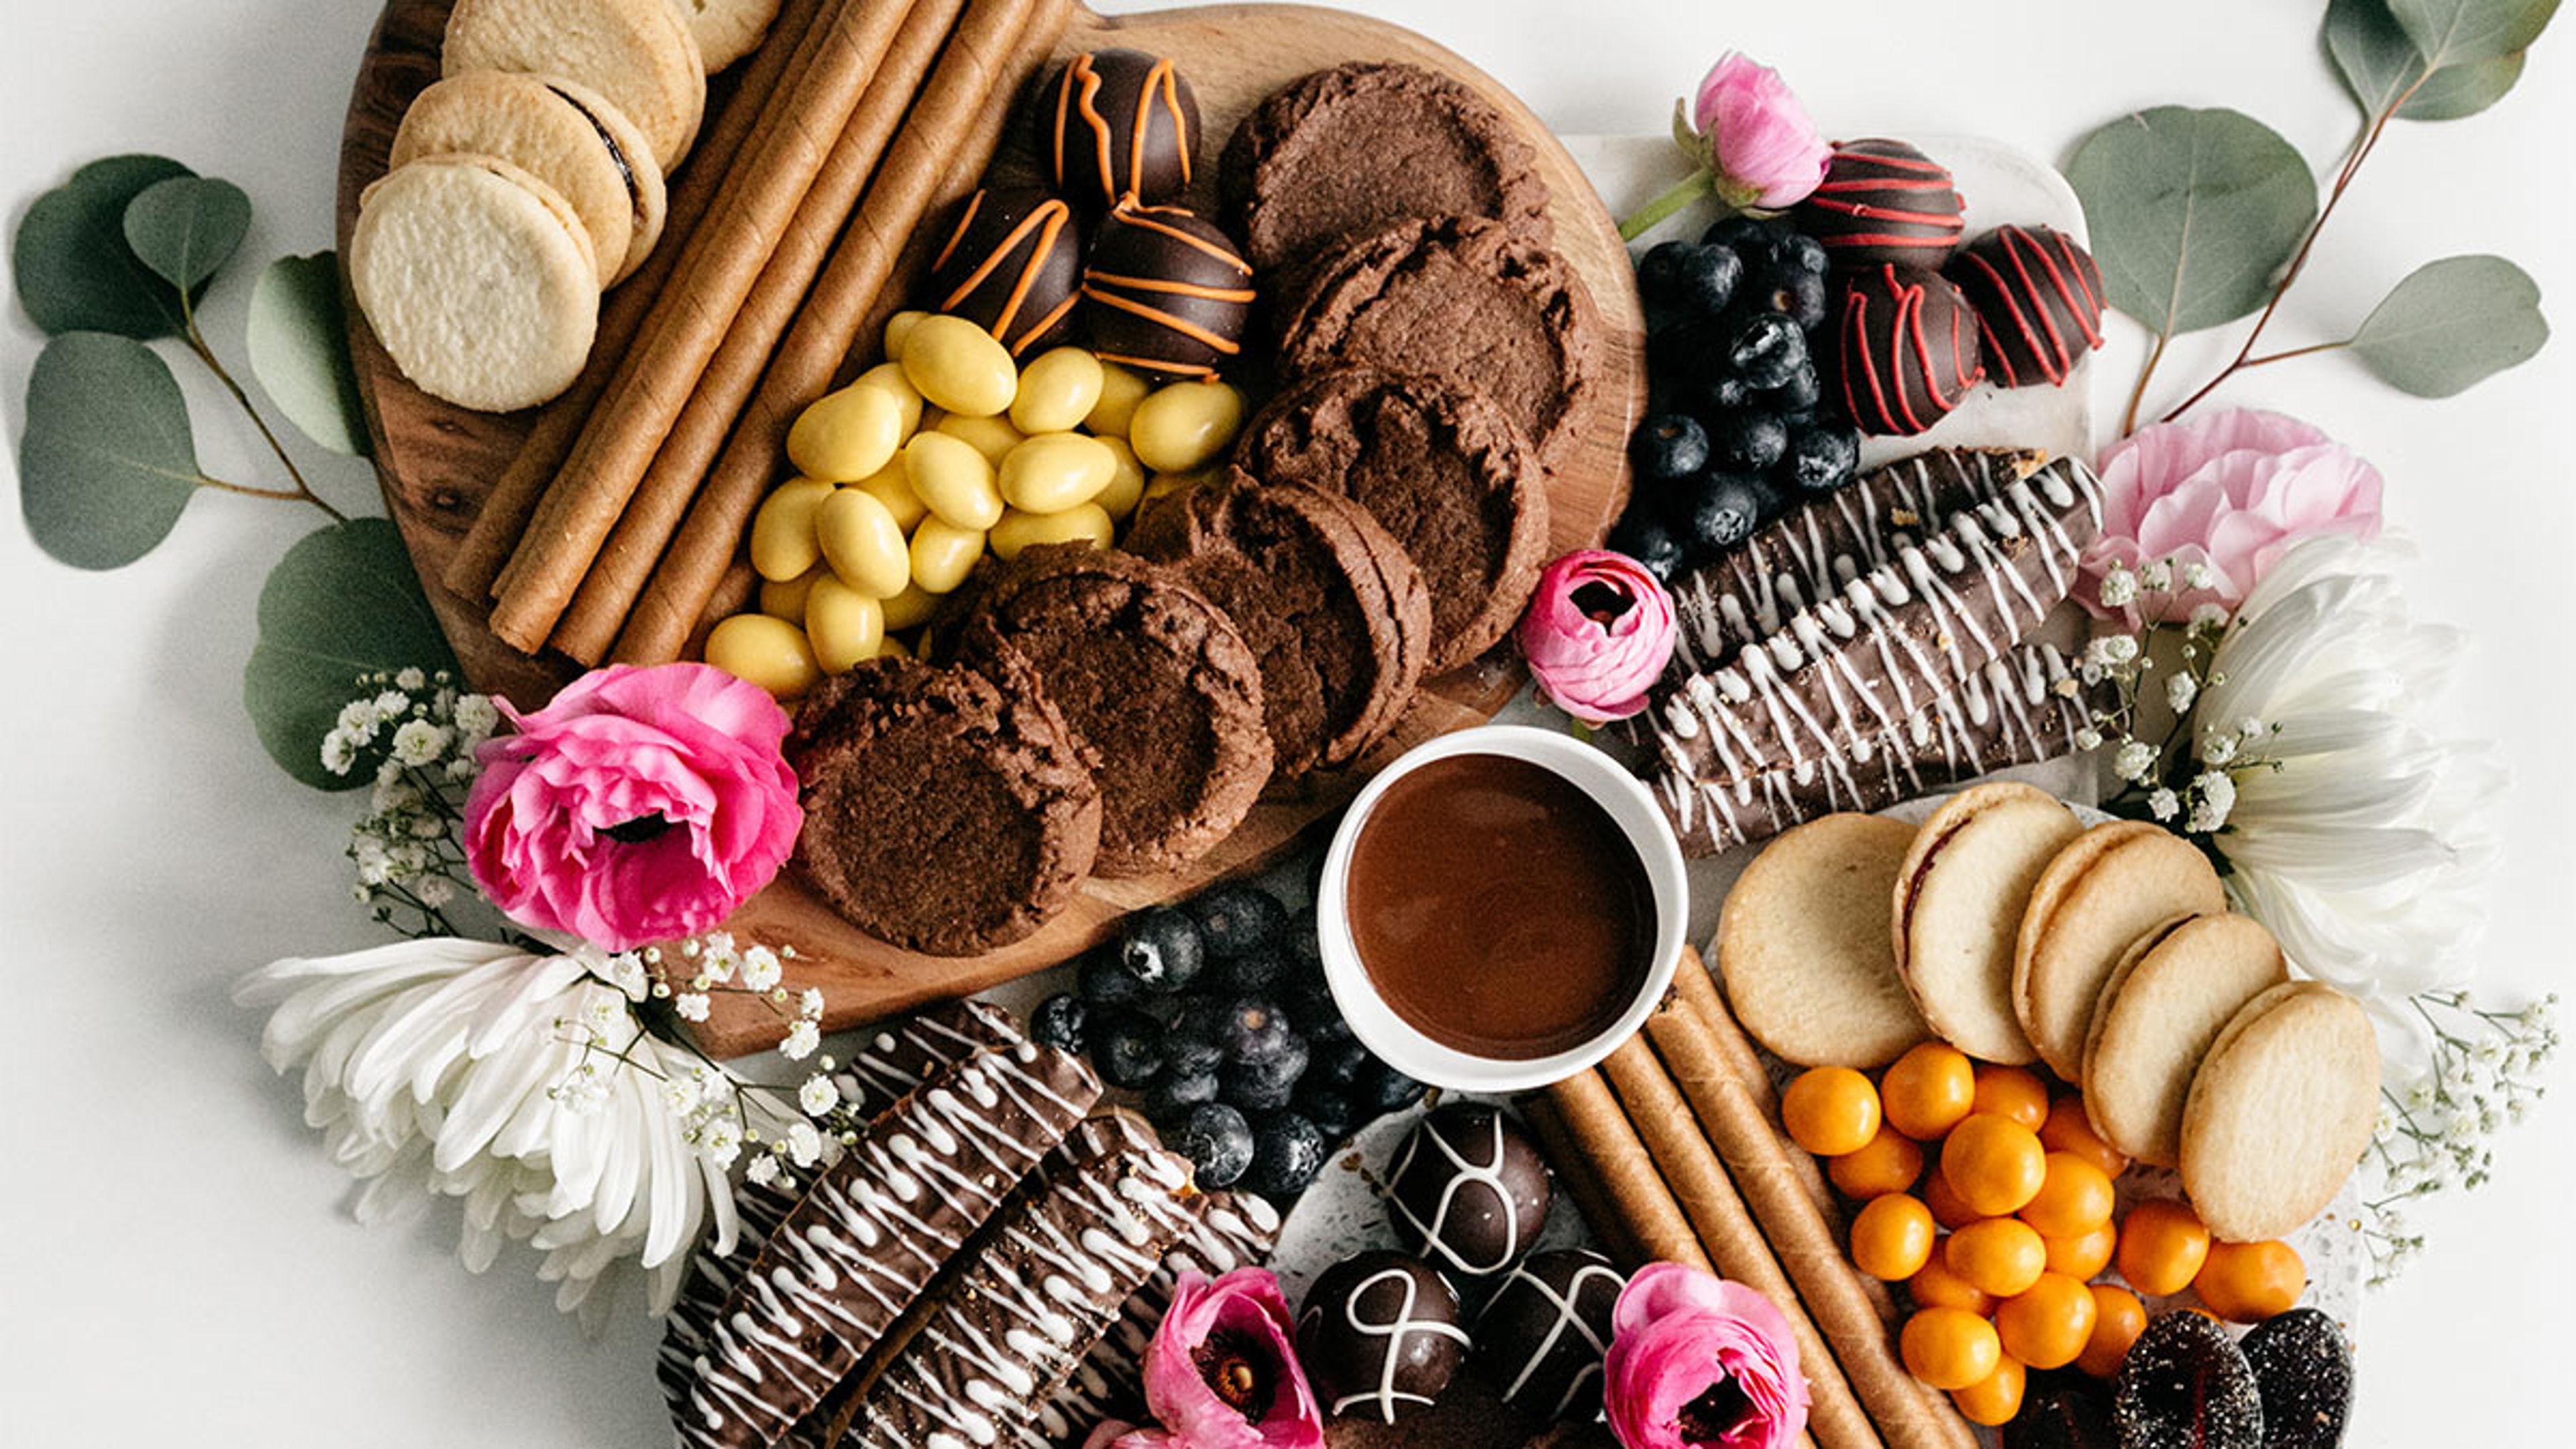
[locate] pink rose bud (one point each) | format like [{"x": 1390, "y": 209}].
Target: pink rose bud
[
  {"x": 641, "y": 805},
  {"x": 1221, "y": 1372},
  {"x": 1696, "y": 1361},
  {"x": 1763, "y": 149},
  {"x": 1598, "y": 633}
]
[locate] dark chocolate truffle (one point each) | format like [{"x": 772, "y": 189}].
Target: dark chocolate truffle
[
  {"x": 1905, "y": 349},
  {"x": 1468, "y": 1190},
  {"x": 1169, "y": 294},
  {"x": 2038, "y": 299},
  {"x": 1012, "y": 264},
  {"x": 1883, "y": 201},
  {"x": 1119, "y": 125},
  {"x": 1379, "y": 1335},
  {"x": 2303, "y": 1365},
  {"x": 1544, "y": 1333},
  {"x": 2185, "y": 1385}
]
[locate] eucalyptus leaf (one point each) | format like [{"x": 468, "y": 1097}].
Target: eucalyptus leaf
[
  {"x": 2193, "y": 213},
  {"x": 187, "y": 227},
  {"x": 2461, "y": 32},
  {"x": 299, "y": 350},
  {"x": 72, "y": 266},
  {"x": 2452, "y": 324},
  {"x": 342, "y": 603},
  {"x": 107, "y": 462},
  {"x": 2380, "y": 63}
]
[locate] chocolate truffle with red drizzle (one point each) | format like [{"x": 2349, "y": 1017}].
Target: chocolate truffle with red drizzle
[
  {"x": 1881, "y": 202},
  {"x": 1169, "y": 293},
  {"x": 2038, "y": 299},
  {"x": 1905, "y": 349},
  {"x": 1120, "y": 125},
  {"x": 1379, "y": 1335},
  {"x": 1012, "y": 264}
]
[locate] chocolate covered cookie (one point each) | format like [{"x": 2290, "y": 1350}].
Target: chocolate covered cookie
[
  {"x": 1156, "y": 684},
  {"x": 947, "y": 810},
  {"x": 1442, "y": 467}
]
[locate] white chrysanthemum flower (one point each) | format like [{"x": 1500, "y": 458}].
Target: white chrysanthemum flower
[
  {"x": 418, "y": 742},
  {"x": 760, "y": 969},
  {"x": 818, "y": 1095},
  {"x": 802, "y": 1039},
  {"x": 2367, "y": 844},
  {"x": 431, "y": 1068}
]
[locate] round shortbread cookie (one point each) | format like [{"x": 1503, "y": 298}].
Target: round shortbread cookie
[
  {"x": 2280, "y": 1112},
  {"x": 568, "y": 135},
  {"x": 1802, "y": 943},
  {"x": 638, "y": 53},
  {"x": 726, "y": 30},
  {"x": 478, "y": 279},
  {"x": 2096, "y": 896},
  {"x": 1956, "y": 907},
  {"x": 2163, "y": 1007}
]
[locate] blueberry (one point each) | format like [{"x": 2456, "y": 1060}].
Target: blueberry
[
  {"x": 1196, "y": 1041},
  {"x": 1253, "y": 972},
  {"x": 1767, "y": 492},
  {"x": 1651, "y": 542},
  {"x": 1822, "y": 457},
  {"x": 1724, "y": 510},
  {"x": 1797, "y": 251},
  {"x": 1668, "y": 446},
  {"x": 1305, "y": 947},
  {"x": 1286, "y": 1154},
  {"x": 1310, "y": 1005},
  {"x": 1748, "y": 441},
  {"x": 1659, "y": 274},
  {"x": 1707, "y": 279},
  {"x": 1239, "y": 919},
  {"x": 1380, "y": 1089},
  {"x": 1767, "y": 349},
  {"x": 1217, "y": 1141},
  {"x": 1162, "y": 948},
  {"x": 1685, "y": 351},
  {"x": 1804, "y": 389},
  {"x": 1058, "y": 1022},
  {"x": 1255, "y": 1030},
  {"x": 1800, "y": 294},
  {"x": 1128, "y": 1048},
  {"x": 1329, "y": 1108},
  {"x": 1267, "y": 1084},
  {"x": 1335, "y": 1065},
  {"x": 1717, "y": 393},
  {"x": 1170, "y": 1099},
  {"x": 1104, "y": 980},
  {"x": 1752, "y": 237}
]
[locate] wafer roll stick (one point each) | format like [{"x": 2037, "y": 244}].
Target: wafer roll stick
[
  {"x": 626, "y": 560},
  {"x": 504, "y": 516},
  {"x": 734, "y": 593},
  {"x": 1605, "y": 1143},
  {"x": 1583, "y": 1186},
  {"x": 938, "y": 156},
  {"x": 1697, "y": 987},
  {"x": 715, "y": 277},
  {"x": 1906, "y": 1412},
  {"x": 1736, "y": 1248}
]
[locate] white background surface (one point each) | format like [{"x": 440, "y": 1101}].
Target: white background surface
[{"x": 178, "y": 1267}]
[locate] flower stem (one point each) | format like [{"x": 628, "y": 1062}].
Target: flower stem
[
  {"x": 2138, "y": 394},
  {"x": 1680, "y": 194},
  {"x": 2271, "y": 357},
  {"x": 302, "y": 490}
]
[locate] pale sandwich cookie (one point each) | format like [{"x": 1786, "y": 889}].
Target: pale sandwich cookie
[
  {"x": 638, "y": 53},
  {"x": 2097, "y": 896},
  {"x": 1956, "y": 908},
  {"x": 1804, "y": 949},
  {"x": 2163, "y": 1006},
  {"x": 726, "y": 30},
  {"x": 479, "y": 280},
  {"x": 2281, "y": 1111},
  {"x": 567, "y": 134}
]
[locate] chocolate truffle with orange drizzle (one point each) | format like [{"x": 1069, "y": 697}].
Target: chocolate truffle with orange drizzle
[
  {"x": 1169, "y": 293},
  {"x": 2038, "y": 298},
  {"x": 1905, "y": 349},
  {"x": 1012, "y": 264},
  {"x": 1120, "y": 125},
  {"x": 1884, "y": 202}
]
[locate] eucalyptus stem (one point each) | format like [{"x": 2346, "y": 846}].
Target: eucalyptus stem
[
  {"x": 2138, "y": 394},
  {"x": 206, "y": 354}
]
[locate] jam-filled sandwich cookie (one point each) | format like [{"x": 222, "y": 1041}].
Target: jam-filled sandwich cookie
[
  {"x": 559, "y": 130},
  {"x": 726, "y": 30},
  {"x": 2164, "y": 1003},
  {"x": 638, "y": 53},
  {"x": 1803, "y": 945},
  {"x": 1957, "y": 909},
  {"x": 2280, "y": 1111},
  {"x": 2098, "y": 895}
]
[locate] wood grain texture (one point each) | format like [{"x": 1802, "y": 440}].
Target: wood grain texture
[{"x": 436, "y": 463}]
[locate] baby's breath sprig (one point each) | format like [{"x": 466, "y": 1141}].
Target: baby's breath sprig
[
  {"x": 2172, "y": 767},
  {"x": 2438, "y": 1133},
  {"x": 418, "y": 732}
]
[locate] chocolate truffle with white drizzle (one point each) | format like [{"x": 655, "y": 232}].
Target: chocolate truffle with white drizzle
[
  {"x": 1543, "y": 1336},
  {"x": 1379, "y": 1335},
  {"x": 1468, "y": 1190}
]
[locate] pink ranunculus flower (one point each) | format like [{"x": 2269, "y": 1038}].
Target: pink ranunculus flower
[
  {"x": 1761, "y": 146},
  {"x": 1220, "y": 1372},
  {"x": 2230, "y": 492},
  {"x": 1696, "y": 1361},
  {"x": 1597, "y": 634},
  {"x": 641, "y": 805}
]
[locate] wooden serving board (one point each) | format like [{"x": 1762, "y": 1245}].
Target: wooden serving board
[{"x": 436, "y": 462}]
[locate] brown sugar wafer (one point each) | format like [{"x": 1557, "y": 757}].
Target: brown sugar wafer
[
  {"x": 937, "y": 157},
  {"x": 1734, "y": 1242},
  {"x": 625, "y": 562},
  {"x": 1696, "y": 987},
  {"x": 1590, "y": 1197},
  {"x": 506, "y": 509},
  {"x": 1906, "y": 1411},
  {"x": 715, "y": 279},
  {"x": 1603, "y": 1140}
]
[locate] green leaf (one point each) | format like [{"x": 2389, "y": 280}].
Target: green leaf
[
  {"x": 2461, "y": 32},
  {"x": 342, "y": 603},
  {"x": 2380, "y": 63},
  {"x": 2452, "y": 324},
  {"x": 2193, "y": 213},
  {"x": 107, "y": 462},
  {"x": 299, "y": 350},
  {"x": 186, "y": 228},
  {"x": 73, "y": 268}
]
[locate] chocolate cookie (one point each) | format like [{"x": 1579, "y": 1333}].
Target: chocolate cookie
[
  {"x": 1328, "y": 601},
  {"x": 1344, "y": 153},
  {"x": 947, "y": 811},
  {"x": 1457, "y": 298},
  {"x": 1449, "y": 475},
  {"x": 1158, "y": 688}
]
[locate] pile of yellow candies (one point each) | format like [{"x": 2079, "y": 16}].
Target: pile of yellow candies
[{"x": 946, "y": 451}]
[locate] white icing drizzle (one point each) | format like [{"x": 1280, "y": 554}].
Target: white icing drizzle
[
  {"x": 1385, "y": 1398},
  {"x": 1569, "y": 1319},
  {"x": 1463, "y": 1173}
]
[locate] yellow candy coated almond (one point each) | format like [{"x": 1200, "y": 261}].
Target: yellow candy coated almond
[
  {"x": 898, "y": 330},
  {"x": 1127, "y": 485},
  {"x": 889, "y": 486},
  {"x": 763, "y": 651},
  {"x": 1054, "y": 471},
  {"x": 846, "y": 435},
  {"x": 953, "y": 480},
  {"x": 959, "y": 366},
  {"x": 912, "y": 607},
  {"x": 786, "y": 599},
  {"x": 782, "y": 533},
  {"x": 862, "y": 543},
  {"x": 889, "y": 376},
  {"x": 843, "y": 625},
  {"x": 1083, "y": 523},
  {"x": 1058, "y": 389},
  {"x": 943, "y": 554},
  {"x": 1185, "y": 425},
  {"x": 1120, "y": 391},
  {"x": 992, "y": 437}
]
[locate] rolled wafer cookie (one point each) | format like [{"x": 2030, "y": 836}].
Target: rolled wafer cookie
[
  {"x": 638, "y": 53},
  {"x": 1606, "y": 1146},
  {"x": 1590, "y": 1197}
]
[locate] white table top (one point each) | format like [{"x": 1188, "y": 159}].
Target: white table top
[{"x": 178, "y": 1265}]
